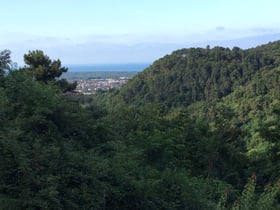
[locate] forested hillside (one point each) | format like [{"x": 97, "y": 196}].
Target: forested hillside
[
  {"x": 198, "y": 129},
  {"x": 198, "y": 74}
]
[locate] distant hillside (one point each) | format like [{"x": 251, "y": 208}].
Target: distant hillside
[{"x": 197, "y": 74}]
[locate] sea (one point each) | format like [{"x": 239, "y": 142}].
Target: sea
[{"x": 135, "y": 67}]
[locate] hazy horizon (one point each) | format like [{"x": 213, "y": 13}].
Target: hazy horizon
[{"x": 114, "y": 67}]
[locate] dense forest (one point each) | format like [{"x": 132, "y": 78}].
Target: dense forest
[{"x": 198, "y": 129}]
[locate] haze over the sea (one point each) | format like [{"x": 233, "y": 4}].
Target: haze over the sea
[
  {"x": 124, "y": 31},
  {"x": 108, "y": 67}
]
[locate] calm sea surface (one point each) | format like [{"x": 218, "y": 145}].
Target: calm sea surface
[{"x": 108, "y": 67}]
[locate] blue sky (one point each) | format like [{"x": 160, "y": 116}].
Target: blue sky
[{"x": 110, "y": 31}]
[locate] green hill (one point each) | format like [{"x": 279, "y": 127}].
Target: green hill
[
  {"x": 213, "y": 113},
  {"x": 186, "y": 133},
  {"x": 197, "y": 74}
]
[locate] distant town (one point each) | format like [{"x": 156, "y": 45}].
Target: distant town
[
  {"x": 91, "y": 82},
  {"x": 91, "y": 86}
]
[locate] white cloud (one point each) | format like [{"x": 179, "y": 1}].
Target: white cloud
[{"x": 122, "y": 48}]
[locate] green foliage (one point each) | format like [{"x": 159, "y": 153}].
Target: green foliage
[
  {"x": 187, "y": 130},
  {"x": 5, "y": 64},
  {"x": 43, "y": 69},
  {"x": 196, "y": 74},
  {"x": 44, "y": 143},
  {"x": 5, "y": 60},
  {"x": 250, "y": 199},
  {"x": 65, "y": 86}
]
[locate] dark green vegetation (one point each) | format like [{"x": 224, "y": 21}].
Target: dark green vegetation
[{"x": 198, "y": 129}]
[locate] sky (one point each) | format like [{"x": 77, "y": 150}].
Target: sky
[{"x": 127, "y": 31}]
